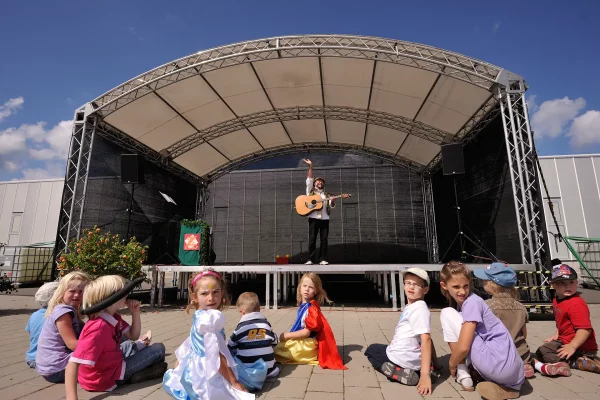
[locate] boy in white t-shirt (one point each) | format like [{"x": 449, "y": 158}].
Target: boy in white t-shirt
[{"x": 411, "y": 349}]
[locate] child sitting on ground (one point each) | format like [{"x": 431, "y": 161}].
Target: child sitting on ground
[
  {"x": 574, "y": 340},
  {"x": 411, "y": 349},
  {"x": 62, "y": 327},
  {"x": 500, "y": 281},
  {"x": 37, "y": 319},
  {"x": 205, "y": 369},
  {"x": 253, "y": 338},
  {"x": 476, "y": 332},
  {"x": 310, "y": 339},
  {"x": 103, "y": 359}
]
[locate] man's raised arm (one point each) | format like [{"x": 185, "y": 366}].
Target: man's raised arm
[{"x": 309, "y": 163}]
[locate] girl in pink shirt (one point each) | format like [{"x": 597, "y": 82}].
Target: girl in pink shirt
[{"x": 109, "y": 352}]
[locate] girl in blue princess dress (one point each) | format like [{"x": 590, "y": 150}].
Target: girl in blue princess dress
[{"x": 205, "y": 369}]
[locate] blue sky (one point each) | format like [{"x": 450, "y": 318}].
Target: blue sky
[{"x": 57, "y": 55}]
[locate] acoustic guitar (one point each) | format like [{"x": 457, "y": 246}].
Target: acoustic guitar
[{"x": 307, "y": 204}]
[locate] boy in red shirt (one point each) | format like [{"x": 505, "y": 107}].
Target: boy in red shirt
[
  {"x": 104, "y": 358},
  {"x": 574, "y": 340}
]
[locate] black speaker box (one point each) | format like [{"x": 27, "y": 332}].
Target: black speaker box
[
  {"x": 131, "y": 169},
  {"x": 453, "y": 162}
]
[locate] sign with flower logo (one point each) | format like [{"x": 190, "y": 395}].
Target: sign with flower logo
[{"x": 191, "y": 241}]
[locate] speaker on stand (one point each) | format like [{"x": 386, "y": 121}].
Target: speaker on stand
[
  {"x": 453, "y": 164},
  {"x": 131, "y": 173}
]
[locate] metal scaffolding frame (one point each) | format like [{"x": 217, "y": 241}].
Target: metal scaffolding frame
[
  {"x": 76, "y": 177},
  {"x": 523, "y": 173},
  {"x": 433, "y": 255},
  {"x": 507, "y": 101}
]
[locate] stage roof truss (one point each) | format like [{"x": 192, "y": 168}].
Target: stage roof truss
[
  {"x": 410, "y": 54},
  {"x": 312, "y": 112},
  {"x": 208, "y": 110}
]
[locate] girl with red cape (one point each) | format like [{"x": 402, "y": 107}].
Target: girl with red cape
[{"x": 310, "y": 339}]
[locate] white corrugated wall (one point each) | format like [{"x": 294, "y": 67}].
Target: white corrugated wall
[
  {"x": 574, "y": 188},
  {"x": 29, "y": 211}
]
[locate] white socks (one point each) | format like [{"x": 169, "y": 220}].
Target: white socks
[
  {"x": 463, "y": 377},
  {"x": 538, "y": 366}
]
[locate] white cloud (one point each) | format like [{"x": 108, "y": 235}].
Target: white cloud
[
  {"x": 10, "y": 166},
  {"x": 134, "y": 32},
  {"x": 496, "y": 26},
  {"x": 57, "y": 140},
  {"x": 553, "y": 116},
  {"x": 30, "y": 142},
  {"x": 11, "y": 106},
  {"x": 11, "y": 141},
  {"x": 585, "y": 129},
  {"x": 52, "y": 170},
  {"x": 532, "y": 104}
]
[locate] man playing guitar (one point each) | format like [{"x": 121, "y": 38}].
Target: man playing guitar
[{"x": 318, "y": 220}]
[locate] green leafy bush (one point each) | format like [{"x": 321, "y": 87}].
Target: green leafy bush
[{"x": 99, "y": 254}]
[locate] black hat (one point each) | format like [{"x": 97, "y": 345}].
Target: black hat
[
  {"x": 563, "y": 272},
  {"x": 113, "y": 298}
]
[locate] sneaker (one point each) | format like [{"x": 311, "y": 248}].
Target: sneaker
[
  {"x": 308, "y": 263},
  {"x": 434, "y": 374},
  {"x": 493, "y": 391},
  {"x": 529, "y": 371},
  {"x": 273, "y": 373},
  {"x": 152, "y": 372},
  {"x": 587, "y": 363},
  {"x": 324, "y": 262},
  {"x": 405, "y": 376},
  {"x": 558, "y": 369}
]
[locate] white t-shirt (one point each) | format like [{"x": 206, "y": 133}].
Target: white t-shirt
[
  {"x": 405, "y": 348},
  {"x": 322, "y": 213}
]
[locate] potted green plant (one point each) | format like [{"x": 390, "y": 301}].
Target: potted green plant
[{"x": 98, "y": 254}]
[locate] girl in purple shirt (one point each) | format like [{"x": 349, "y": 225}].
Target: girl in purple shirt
[
  {"x": 476, "y": 333},
  {"x": 61, "y": 329}
]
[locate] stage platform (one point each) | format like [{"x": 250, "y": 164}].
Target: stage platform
[{"x": 284, "y": 276}]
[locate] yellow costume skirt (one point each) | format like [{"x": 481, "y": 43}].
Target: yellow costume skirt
[{"x": 301, "y": 351}]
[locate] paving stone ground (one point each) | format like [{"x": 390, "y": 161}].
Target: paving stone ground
[{"x": 354, "y": 328}]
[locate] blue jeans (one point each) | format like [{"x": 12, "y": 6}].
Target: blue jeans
[
  {"x": 137, "y": 360},
  {"x": 57, "y": 377}
]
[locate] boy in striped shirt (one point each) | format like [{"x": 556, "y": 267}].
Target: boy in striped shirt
[{"x": 253, "y": 337}]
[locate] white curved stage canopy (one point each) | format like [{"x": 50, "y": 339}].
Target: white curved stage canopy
[
  {"x": 211, "y": 112},
  {"x": 218, "y": 109}
]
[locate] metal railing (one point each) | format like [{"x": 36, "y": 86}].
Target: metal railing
[{"x": 26, "y": 264}]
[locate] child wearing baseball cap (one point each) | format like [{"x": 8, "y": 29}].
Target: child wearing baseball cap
[
  {"x": 500, "y": 281},
  {"x": 408, "y": 358},
  {"x": 574, "y": 340},
  {"x": 36, "y": 321}
]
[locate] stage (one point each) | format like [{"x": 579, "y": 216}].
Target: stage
[
  {"x": 387, "y": 277},
  {"x": 197, "y": 124}
]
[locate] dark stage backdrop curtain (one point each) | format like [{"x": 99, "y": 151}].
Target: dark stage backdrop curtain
[
  {"x": 486, "y": 200},
  {"x": 253, "y": 218},
  {"x": 154, "y": 221}
]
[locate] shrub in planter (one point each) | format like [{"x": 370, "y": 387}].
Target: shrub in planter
[{"x": 99, "y": 254}]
